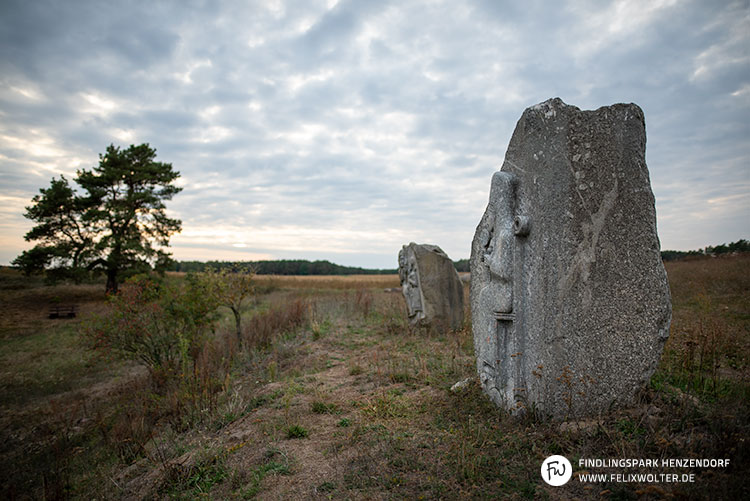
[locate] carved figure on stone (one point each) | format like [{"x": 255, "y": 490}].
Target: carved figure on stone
[
  {"x": 569, "y": 298},
  {"x": 410, "y": 285},
  {"x": 432, "y": 289},
  {"x": 496, "y": 309}
]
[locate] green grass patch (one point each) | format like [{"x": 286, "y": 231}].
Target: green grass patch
[
  {"x": 276, "y": 463},
  {"x": 296, "y": 431},
  {"x": 47, "y": 362},
  {"x": 319, "y": 407},
  {"x": 197, "y": 480}
]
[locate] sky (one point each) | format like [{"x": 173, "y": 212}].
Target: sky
[{"x": 342, "y": 130}]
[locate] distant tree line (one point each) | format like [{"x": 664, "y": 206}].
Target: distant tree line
[
  {"x": 280, "y": 267},
  {"x": 462, "y": 265},
  {"x": 741, "y": 245},
  {"x": 738, "y": 246},
  {"x": 673, "y": 255},
  {"x": 293, "y": 267}
]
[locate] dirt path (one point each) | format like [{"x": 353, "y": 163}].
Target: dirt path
[{"x": 344, "y": 397}]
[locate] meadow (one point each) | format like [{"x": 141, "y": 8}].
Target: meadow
[{"x": 334, "y": 396}]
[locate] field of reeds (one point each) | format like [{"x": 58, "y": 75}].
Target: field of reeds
[
  {"x": 320, "y": 282},
  {"x": 332, "y": 395},
  {"x": 351, "y": 282}
]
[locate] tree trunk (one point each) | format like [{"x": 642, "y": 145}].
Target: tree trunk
[
  {"x": 238, "y": 325},
  {"x": 111, "y": 281}
]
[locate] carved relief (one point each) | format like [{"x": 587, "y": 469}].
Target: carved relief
[
  {"x": 408, "y": 273},
  {"x": 432, "y": 290},
  {"x": 499, "y": 241}
]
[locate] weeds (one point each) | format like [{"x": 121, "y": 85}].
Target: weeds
[
  {"x": 319, "y": 407},
  {"x": 387, "y": 405},
  {"x": 276, "y": 463},
  {"x": 320, "y": 329},
  {"x": 326, "y": 487},
  {"x": 296, "y": 431},
  {"x": 363, "y": 302},
  {"x": 262, "y": 328},
  {"x": 197, "y": 480}
]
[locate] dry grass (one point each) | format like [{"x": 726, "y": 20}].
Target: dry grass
[
  {"x": 336, "y": 282},
  {"x": 25, "y": 310},
  {"x": 372, "y": 395},
  {"x": 321, "y": 282},
  {"x": 709, "y": 344}
]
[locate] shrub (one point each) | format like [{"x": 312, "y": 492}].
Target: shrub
[
  {"x": 161, "y": 325},
  {"x": 228, "y": 288}
]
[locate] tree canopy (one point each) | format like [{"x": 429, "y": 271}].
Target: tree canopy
[
  {"x": 65, "y": 237},
  {"x": 118, "y": 223}
]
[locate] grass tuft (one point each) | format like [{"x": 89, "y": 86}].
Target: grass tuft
[{"x": 296, "y": 431}]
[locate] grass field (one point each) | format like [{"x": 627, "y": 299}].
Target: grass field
[{"x": 352, "y": 403}]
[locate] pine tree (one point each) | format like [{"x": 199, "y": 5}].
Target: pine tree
[{"x": 119, "y": 224}]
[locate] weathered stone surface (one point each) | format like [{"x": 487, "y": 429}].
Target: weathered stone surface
[
  {"x": 433, "y": 292},
  {"x": 569, "y": 297}
]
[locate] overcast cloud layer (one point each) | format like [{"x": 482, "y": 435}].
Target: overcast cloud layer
[{"x": 343, "y": 130}]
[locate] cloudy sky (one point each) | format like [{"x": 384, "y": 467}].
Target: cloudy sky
[{"x": 342, "y": 130}]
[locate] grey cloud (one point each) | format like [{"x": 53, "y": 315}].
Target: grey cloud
[
  {"x": 330, "y": 37},
  {"x": 59, "y": 36},
  {"x": 137, "y": 44}
]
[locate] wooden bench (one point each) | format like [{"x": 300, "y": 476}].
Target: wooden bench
[{"x": 59, "y": 311}]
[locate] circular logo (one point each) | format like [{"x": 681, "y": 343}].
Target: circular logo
[{"x": 556, "y": 470}]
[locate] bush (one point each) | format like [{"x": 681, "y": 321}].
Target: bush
[
  {"x": 161, "y": 325},
  {"x": 228, "y": 288}
]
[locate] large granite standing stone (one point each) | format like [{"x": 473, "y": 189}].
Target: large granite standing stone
[
  {"x": 569, "y": 297},
  {"x": 433, "y": 291}
]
